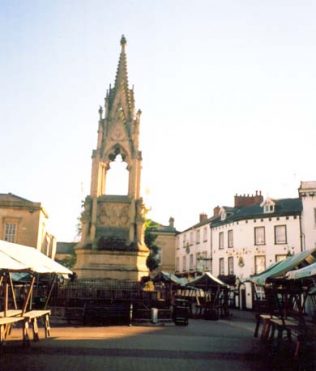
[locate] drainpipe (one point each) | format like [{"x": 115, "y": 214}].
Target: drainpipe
[
  {"x": 302, "y": 235},
  {"x": 211, "y": 248}
]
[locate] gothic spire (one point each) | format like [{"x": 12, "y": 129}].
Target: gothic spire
[
  {"x": 121, "y": 84},
  {"x": 121, "y": 74}
]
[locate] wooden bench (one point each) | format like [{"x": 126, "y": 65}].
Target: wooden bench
[
  {"x": 5, "y": 325},
  {"x": 8, "y": 314},
  {"x": 31, "y": 318},
  {"x": 11, "y": 313}
]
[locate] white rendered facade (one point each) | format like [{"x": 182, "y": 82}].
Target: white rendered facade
[
  {"x": 307, "y": 193},
  {"x": 255, "y": 244},
  {"x": 246, "y": 239},
  {"x": 193, "y": 252}
]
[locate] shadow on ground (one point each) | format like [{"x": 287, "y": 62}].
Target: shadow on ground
[{"x": 203, "y": 345}]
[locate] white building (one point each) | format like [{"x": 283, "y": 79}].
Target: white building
[
  {"x": 193, "y": 253},
  {"x": 245, "y": 239},
  {"x": 307, "y": 193}
]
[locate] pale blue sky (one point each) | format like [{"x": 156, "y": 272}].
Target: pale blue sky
[{"x": 227, "y": 89}]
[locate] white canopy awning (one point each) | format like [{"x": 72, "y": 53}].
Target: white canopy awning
[
  {"x": 6, "y": 262},
  {"x": 20, "y": 258},
  {"x": 306, "y": 272}
]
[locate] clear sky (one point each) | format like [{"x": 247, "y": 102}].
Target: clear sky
[{"x": 227, "y": 90}]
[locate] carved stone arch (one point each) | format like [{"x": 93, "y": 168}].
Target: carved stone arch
[{"x": 115, "y": 150}]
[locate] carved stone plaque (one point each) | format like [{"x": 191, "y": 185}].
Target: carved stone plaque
[{"x": 113, "y": 215}]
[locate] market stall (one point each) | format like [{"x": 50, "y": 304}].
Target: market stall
[
  {"x": 282, "y": 313},
  {"x": 211, "y": 297},
  {"x": 16, "y": 258}
]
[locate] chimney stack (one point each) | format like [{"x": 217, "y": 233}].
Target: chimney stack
[
  {"x": 203, "y": 217},
  {"x": 216, "y": 211},
  {"x": 248, "y": 200}
]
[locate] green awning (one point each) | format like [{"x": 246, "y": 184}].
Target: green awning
[
  {"x": 279, "y": 269},
  {"x": 169, "y": 277}
]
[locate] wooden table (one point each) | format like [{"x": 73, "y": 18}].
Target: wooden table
[
  {"x": 11, "y": 313},
  {"x": 5, "y": 324},
  {"x": 30, "y": 318}
]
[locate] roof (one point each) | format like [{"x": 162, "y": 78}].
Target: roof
[
  {"x": 65, "y": 247},
  {"x": 12, "y": 200},
  {"x": 200, "y": 224},
  {"x": 12, "y": 197},
  {"x": 279, "y": 269},
  {"x": 20, "y": 258},
  {"x": 283, "y": 207},
  {"x": 157, "y": 227},
  {"x": 207, "y": 279}
]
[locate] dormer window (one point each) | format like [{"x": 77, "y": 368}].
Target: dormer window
[
  {"x": 223, "y": 213},
  {"x": 268, "y": 209},
  {"x": 268, "y": 206}
]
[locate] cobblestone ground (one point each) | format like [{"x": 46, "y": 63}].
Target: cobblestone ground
[{"x": 203, "y": 345}]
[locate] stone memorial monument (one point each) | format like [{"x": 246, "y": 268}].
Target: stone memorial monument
[{"x": 112, "y": 226}]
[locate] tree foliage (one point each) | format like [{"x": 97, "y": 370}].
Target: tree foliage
[{"x": 153, "y": 259}]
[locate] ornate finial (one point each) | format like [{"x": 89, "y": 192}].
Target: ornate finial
[
  {"x": 100, "y": 112},
  {"x": 138, "y": 113},
  {"x": 123, "y": 42}
]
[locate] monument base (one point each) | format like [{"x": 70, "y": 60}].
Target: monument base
[{"x": 120, "y": 265}]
